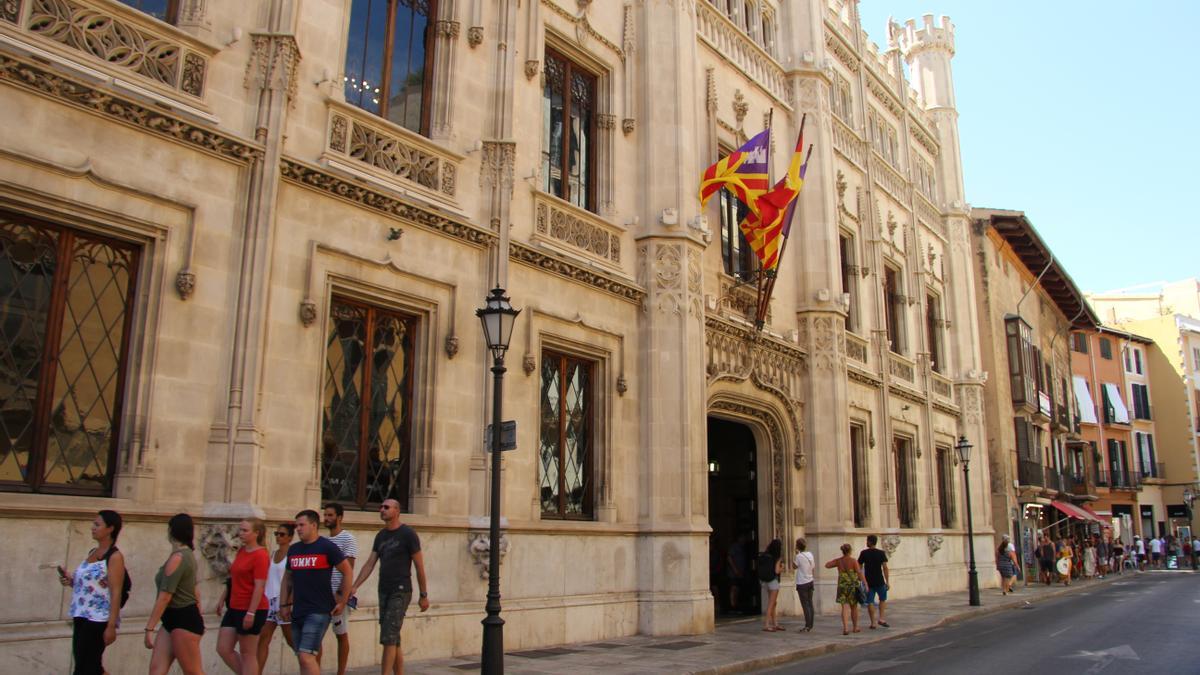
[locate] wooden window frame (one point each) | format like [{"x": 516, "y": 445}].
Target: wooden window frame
[
  {"x": 361, "y": 500},
  {"x": 860, "y": 496},
  {"x": 906, "y": 502},
  {"x": 35, "y": 470},
  {"x": 933, "y": 331},
  {"x": 849, "y": 277},
  {"x": 732, "y": 212},
  {"x": 590, "y": 201},
  {"x": 894, "y": 304},
  {"x": 386, "y": 73},
  {"x": 945, "y": 485},
  {"x": 589, "y": 468}
]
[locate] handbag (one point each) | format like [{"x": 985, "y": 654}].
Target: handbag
[{"x": 862, "y": 592}]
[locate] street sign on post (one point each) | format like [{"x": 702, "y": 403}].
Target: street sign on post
[{"x": 508, "y": 436}]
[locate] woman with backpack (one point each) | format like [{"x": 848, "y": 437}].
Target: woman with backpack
[
  {"x": 97, "y": 593},
  {"x": 177, "y": 604},
  {"x": 770, "y": 566}
]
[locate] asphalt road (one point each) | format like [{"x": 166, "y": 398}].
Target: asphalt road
[{"x": 1145, "y": 623}]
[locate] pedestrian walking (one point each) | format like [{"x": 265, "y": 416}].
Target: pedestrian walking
[
  {"x": 331, "y": 516},
  {"x": 875, "y": 572},
  {"x": 1139, "y": 549},
  {"x": 1089, "y": 560},
  {"x": 306, "y": 590},
  {"x": 849, "y": 584},
  {"x": 397, "y": 549},
  {"x": 1103, "y": 555},
  {"x": 806, "y": 568},
  {"x": 1006, "y": 564},
  {"x": 770, "y": 566},
  {"x": 1065, "y": 560},
  {"x": 283, "y": 539},
  {"x": 1195, "y": 551},
  {"x": 97, "y": 588},
  {"x": 243, "y": 620},
  {"x": 177, "y": 605},
  {"x": 1045, "y": 556},
  {"x": 1156, "y": 553}
]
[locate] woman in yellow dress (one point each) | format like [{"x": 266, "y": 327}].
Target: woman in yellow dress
[{"x": 1065, "y": 560}]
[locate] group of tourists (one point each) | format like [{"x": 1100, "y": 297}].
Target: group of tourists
[
  {"x": 302, "y": 588},
  {"x": 860, "y": 581}
]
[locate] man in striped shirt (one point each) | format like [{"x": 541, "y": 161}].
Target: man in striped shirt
[{"x": 332, "y": 519}]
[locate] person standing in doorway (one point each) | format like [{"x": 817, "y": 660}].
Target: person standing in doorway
[
  {"x": 283, "y": 539},
  {"x": 305, "y": 595},
  {"x": 332, "y": 516},
  {"x": 397, "y": 549},
  {"x": 97, "y": 587},
  {"x": 770, "y": 565},
  {"x": 805, "y": 579},
  {"x": 735, "y": 568},
  {"x": 875, "y": 571}
]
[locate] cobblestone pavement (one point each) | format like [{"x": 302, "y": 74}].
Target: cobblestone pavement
[{"x": 742, "y": 645}]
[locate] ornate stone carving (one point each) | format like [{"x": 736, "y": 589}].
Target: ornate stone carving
[
  {"x": 496, "y": 164},
  {"x": 740, "y": 107},
  {"x": 710, "y": 91},
  {"x": 10, "y": 10},
  {"x": 479, "y": 546},
  {"x": 447, "y": 29},
  {"x": 826, "y": 344},
  {"x": 577, "y": 228},
  {"x": 529, "y": 364},
  {"x": 777, "y": 450},
  {"x": 856, "y": 349},
  {"x": 475, "y": 36},
  {"x": 969, "y": 402},
  {"x": 900, "y": 369},
  {"x": 274, "y": 59},
  {"x": 890, "y": 543},
  {"x": 393, "y": 156},
  {"x": 532, "y": 66},
  {"x": 695, "y": 284},
  {"x": 322, "y": 181},
  {"x": 308, "y": 312},
  {"x": 935, "y": 543},
  {"x": 606, "y": 121},
  {"x": 841, "y": 188},
  {"x": 337, "y": 133},
  {"x": 218, "y": 544},
  {"x": 88, "y": 29},
  {"x": 43, "y": 82},
  {"x": 451, "y": 346},
  {"x": 842, "y": 52},
  {"x": 583, "y": 28},
  {"x": 740, "y": 51},
  {"x": 622, "y": 385},
  {"x": 550, "y": 263},
  {"x": 185, "y": 283},
  {"x": 667, "y": 275},
  {"x": 627, "y": 125}
]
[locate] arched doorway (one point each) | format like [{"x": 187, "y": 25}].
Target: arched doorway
[{"x": 733, "y": 514}]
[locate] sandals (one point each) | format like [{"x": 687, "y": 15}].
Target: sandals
[{"x": 884, "y": 624}]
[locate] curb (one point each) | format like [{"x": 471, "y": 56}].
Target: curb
[{"x": 821, "y": 650}]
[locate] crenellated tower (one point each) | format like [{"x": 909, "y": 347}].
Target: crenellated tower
[{"x": 928, "y": 50}]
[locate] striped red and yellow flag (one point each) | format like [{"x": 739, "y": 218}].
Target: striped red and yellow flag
[{"x": 743, "y": 171}]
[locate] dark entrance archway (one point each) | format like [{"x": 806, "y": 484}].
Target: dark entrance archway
[{"x": 733, "y": 516}]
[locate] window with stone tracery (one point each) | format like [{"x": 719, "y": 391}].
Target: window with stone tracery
[
  {"x": 163, "y": 10},
  {"x": 65, "y": 319},
  {"x": 389, "y": 60},
  {"x": 841, "y": 100},
  {"x": 366, "y": 421},
  {"x": 568, "y": 131}
]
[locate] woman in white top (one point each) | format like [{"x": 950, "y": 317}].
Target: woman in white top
[
  {"x": 97, "y": 586},
  {"x": 805, "y": 569},
  {"x": 283, "y": 539}
]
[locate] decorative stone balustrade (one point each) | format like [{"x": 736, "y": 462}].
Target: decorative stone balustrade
[
  {"x": 753, "y": 61},
  {"x": 114, "y": 39},
  {"x": 856, "y": 348},
  {"x": 583, "y": 231},
  {"x": 941, "y": 387},
  {"x": 365, "y": 144},
  {"x": 902, "y": 368},
  {"x": 889, "y": 179},
  {"x": 847, "y": 142},
  {"x": 929, "y": 214}
]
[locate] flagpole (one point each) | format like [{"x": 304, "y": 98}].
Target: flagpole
[
  {"x": 761, "y": 277},
  {"x": 763, "y": 300}
]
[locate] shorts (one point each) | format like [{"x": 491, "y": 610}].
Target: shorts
[
  {"x": 308, "y": 631},
  {"x": 873, "y": 591},
  {"x": 392, "y": 607},
  {"x": 1156, "y": 557},
  {"x": 183, "y": 618},
  {"x": 233, "y": 619},
  {"x": 273, "y": 612},
  {"x": 340, "y": 623},
  {"x": 772, "y": 585}
]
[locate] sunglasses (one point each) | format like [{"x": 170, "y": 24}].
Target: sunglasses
[{"x": 281, "y": 534}]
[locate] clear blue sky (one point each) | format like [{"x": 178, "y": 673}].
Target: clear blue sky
[{"x": 1084, "y": 116}]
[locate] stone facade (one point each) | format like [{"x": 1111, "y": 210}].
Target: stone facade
[{"x": 265, "y": 209}]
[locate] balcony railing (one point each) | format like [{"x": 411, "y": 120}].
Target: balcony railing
[
  {"x": 1077, "y": 483},
  {"x": 1158, "y": 470},
  {"x": 1119, "y": 480},
  {"x": 1031, "y": 473},
  {"x": 1054, "y": 480}
]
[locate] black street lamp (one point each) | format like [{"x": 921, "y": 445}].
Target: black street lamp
[
  {"x": 964, "y": 456},
  {"x": 498, "y": 318}
]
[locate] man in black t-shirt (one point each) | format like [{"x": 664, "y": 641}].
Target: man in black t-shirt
[
  {"x": 875, "y": 569},
  {"x": 397, "y": 549}
]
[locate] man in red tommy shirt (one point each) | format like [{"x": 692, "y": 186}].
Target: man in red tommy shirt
[{"x": 305, "y": 594}]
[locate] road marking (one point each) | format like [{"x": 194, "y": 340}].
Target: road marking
[
  {"x": 927, "y": 649},
  {"x": 1124, "y": 652},
  {"x": 1060, "y": 632},
  {"x": 869, "y": 666}
]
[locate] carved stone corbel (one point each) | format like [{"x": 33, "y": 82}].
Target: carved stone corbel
[
  {"x": 185, "y": 283},
  {"x": 935, "y": 543},
  {"x": 890, "y": 543},
  {"x": 218, "y": 544},
  {"x": 308, "y": 312},
  {"x": 479, "y": 546}
]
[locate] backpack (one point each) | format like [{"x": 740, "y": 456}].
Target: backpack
[
  {"x": 128, "y": 583},
  {"x": 766, "y": 567}
]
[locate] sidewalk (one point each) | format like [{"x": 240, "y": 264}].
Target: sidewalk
[{"x": 741, "y": 645}]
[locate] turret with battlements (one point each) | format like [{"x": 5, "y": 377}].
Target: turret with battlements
[{"x": 928, "y": 50}]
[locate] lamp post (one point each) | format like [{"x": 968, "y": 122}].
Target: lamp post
[
  {"x": 964, "y": 456},
  {"x": 498, "y": 318}
]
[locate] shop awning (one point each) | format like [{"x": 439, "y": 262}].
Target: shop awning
[
  {"x": 1087, "y": 407},
  {"x": 1113, "y": 397},
  {"x": 1095, "y": 516},
  {"x": 1076, "y": 512}
]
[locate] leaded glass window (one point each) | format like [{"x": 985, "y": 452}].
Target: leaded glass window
[
  {"x": 163, "y": 10},
  {"x": 565, "y": 449},
  {"x": 389, "y": 59},
  {"x": 568, "y": 104},
  {"x": 366, "y": 425},
  {"x": 64, "y": 334}
]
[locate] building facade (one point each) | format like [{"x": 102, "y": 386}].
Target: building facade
[
  {"x": 243, "y": 243},
  {"x": 1029, "y": 307}
]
